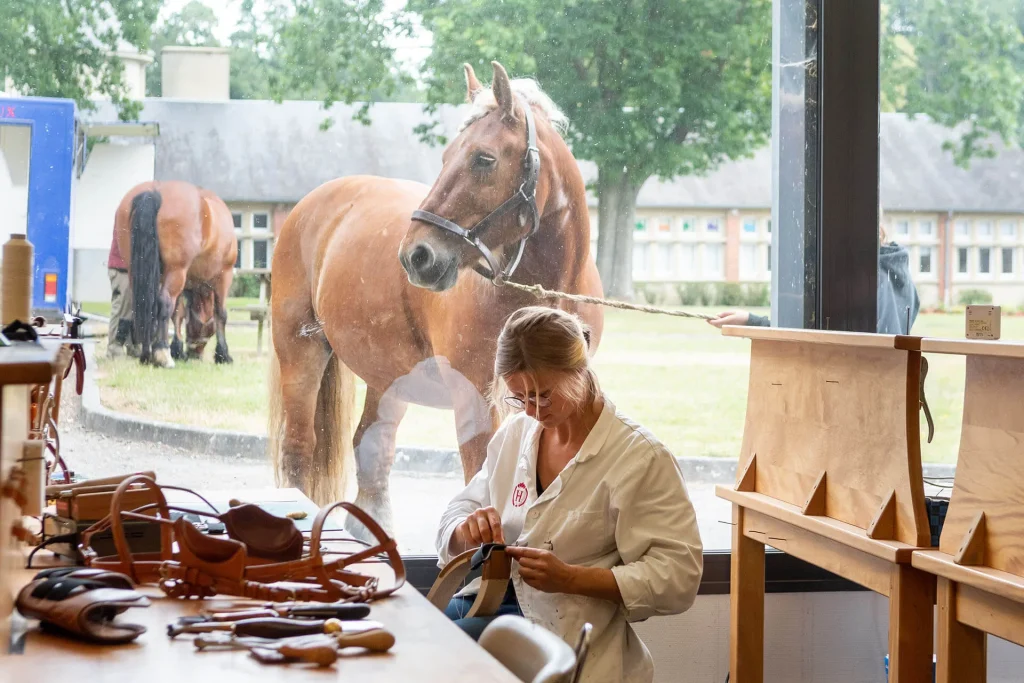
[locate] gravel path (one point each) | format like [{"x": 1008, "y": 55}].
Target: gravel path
[{"x": 419, "y": 500}]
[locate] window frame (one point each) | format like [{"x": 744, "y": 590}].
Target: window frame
[{"x": 827, "y": 276}]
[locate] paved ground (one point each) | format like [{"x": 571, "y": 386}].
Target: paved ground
[{"x": 419, "y": 499}]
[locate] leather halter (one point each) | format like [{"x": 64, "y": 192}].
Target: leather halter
[{"x": 526, "y": 195}]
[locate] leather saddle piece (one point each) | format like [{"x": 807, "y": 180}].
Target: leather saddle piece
[
  {"x": 83, "y": 603},
  {"x": 266, "y": 536},
  {"x": 261, "y": 553}
]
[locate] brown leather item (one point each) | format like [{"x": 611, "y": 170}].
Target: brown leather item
[
  {"x": 204, "y": 566},
  {"x": 83, "y": 603},
  {"x": 266, "y": 536}
]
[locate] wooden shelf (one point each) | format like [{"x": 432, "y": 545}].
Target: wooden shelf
[
  {"x": 1003, "y": 584},
  {"x": 28, "y": 363},
  {"x": 861, "y": 339},
  {"x": 826, "y": 527}
]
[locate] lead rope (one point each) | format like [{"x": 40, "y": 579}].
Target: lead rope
[{"x": 542, "y": 293}]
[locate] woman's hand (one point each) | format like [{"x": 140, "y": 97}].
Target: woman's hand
[
  {"x": 482, "y": 526},
  {"x": 540, "y": 569},
  {"x": 730, "y": 318}
]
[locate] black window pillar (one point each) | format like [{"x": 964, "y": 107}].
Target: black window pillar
[{"x": 825, "y": 164}]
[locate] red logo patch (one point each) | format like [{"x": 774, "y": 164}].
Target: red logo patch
[{"x": 520, "y": 495}]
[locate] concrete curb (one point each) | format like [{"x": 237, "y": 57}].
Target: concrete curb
[{"x": 408, "y": 459}]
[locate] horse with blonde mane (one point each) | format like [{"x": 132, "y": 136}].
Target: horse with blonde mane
[{"x": 376, "y": 278}]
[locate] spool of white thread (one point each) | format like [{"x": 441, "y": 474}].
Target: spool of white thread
[{"x": 17, "y": 280}]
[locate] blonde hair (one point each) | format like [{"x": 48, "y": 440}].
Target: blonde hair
[{"x": 538, "y": 339}]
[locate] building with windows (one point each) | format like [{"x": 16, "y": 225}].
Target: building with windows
[{"x": 964, "y": 227}]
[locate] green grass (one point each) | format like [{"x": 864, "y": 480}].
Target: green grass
[{"x": 678, "y": 377}]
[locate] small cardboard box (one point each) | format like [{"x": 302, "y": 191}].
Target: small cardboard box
[{"x": 983, "y": 322}]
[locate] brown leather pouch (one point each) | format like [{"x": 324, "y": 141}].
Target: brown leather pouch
[{"x": 83, "y": 603}]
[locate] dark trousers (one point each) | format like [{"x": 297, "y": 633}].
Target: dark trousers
[{"x": 474, "y": 626}]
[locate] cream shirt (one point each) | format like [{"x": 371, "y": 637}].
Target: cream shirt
[{"x": 621, "y": 504}]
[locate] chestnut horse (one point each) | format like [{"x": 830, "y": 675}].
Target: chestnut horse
[
  {"x": 372, "y": 277},
  {"x": 179, "y": 237}
]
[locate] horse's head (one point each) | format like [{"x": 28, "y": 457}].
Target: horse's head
[
  {"x": 201, "y": 321},
  {"x": 484, "y": 204}
]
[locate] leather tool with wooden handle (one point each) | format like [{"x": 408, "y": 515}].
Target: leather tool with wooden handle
[
  {"x": 376, "y": 639},
  {"x": 261, "y": 628},
  {"x": 320, "y": 650},
  {"x": 322, "y": 610}
]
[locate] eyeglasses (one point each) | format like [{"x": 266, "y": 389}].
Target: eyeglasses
[{"x": 539, "y": 402}]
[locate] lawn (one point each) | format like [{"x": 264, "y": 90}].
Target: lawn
[{"x": 676, "y": 376}]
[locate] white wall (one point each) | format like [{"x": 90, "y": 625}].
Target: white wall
[
  {"x": 809, "y": 638},
  {"x": 15, "y": 144},
  {"x": 111, "y": 170}
]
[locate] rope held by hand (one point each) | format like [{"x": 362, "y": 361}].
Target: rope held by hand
[{"x": 541, "y": 293}]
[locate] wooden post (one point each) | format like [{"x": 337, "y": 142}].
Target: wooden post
[
  {"x": 962, "y": 656},
  {"x": 911, "y": 615},
  {"x": 259, "y": 336},
  {"x": 746, "y": 605}
]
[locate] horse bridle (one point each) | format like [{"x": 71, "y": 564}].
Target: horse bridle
[{"x": 527, "y": 195}]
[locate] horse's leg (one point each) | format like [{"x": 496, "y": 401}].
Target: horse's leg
[
  {"x": 374, "y": 443},
  {"x": 177, "y": 349},
  {"x": 475, "y": 422},
  {"x": 174, "y": 284},
  {"x": 302, "y": 364},
  {"x": 220, "y": 304}
]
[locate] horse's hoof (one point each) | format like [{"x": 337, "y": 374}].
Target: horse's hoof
[
  {"x": 221, "y": 356},
  {"x": 162, "y": 358},
  {"x": 177, "y": 350},
  {"x": 379, "y": 508}
]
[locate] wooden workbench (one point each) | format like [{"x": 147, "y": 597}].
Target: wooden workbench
[{"x": 429, "y": 648}]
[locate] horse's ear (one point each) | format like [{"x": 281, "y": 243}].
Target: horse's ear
[
  {"x": 502, "y": 87},
  {"x": 472, "y": 84}
]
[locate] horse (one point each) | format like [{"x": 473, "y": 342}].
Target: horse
[
  {"x": 179, "y": 237},
  {"x": 376, "y": 278}
]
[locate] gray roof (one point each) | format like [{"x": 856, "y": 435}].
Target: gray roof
[{"x": 260, "y": 151}]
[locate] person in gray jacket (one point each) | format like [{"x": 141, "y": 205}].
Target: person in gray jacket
[{"x": 896, "y": 293}]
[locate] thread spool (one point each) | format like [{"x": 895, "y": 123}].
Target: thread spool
[
  {"x": 33, "y": 464},
  {"x": 17, "y": 280}
]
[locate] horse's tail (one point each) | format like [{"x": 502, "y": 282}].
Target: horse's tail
[
  {"x": 146, "y": 269},
  {"x": 331, "y": 465}
]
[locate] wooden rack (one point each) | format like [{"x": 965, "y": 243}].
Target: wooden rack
[
  {"x": 22, "y": 367},
  {"x": 980, "y": 560},
  {"x": 830, "y": 472}
]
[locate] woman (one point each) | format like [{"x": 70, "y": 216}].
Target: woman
[{"x": 593, "y": 508}]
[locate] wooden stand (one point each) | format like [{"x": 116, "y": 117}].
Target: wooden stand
[
  {"x": 980, "y": 560},
  {"x": 830, "y": 472},
  {"x": 22, "y": 367}
]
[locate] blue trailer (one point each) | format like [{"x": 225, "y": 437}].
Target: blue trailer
[{"x": 57, "y": 146}]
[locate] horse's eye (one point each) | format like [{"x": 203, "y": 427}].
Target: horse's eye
[{"x": 483, "y": 162}]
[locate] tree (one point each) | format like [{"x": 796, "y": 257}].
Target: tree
[
  {"x": 959, "y": 62},
  {"x": 651, "y": 88},
  {"x": 193, "y": 25},
  {"x": 329, "y": 50},
  {"x": 65, "y": 48}
]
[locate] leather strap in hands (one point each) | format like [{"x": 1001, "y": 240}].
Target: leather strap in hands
[{"x": 497, "y": 570}]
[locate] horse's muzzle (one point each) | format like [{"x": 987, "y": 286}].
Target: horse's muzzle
[{"x": 428, "y": 267}]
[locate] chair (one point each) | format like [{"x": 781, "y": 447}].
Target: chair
[
  {"x": 531, "y": 652},
  {"x": 582, "y": 650}
]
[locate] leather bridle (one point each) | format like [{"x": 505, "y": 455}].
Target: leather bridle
[{"x": 525, "y": 196}]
